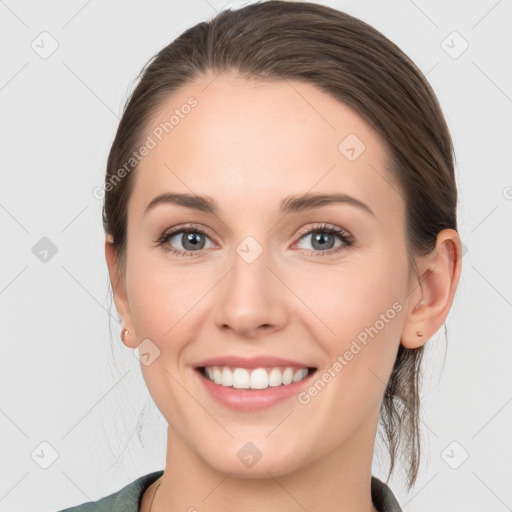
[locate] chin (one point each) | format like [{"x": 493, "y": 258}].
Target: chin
[{"x": 250, "y": 462}]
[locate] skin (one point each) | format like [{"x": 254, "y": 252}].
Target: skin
[{"x": 248, "y": 145}]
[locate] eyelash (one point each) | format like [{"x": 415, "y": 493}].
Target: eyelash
[{"x": 347, "y": 239}]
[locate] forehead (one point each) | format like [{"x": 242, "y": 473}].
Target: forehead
[{"x": 261, "y": 140}]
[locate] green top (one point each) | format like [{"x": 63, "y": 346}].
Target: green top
[{"x": 128, "y": 499}]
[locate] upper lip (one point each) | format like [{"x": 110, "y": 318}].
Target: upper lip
[{"x": 251, "y": 362}]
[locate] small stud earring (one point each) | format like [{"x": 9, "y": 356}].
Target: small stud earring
[
  {"x": 419, "y": 333},
  {"x": 124, "y": 333}
]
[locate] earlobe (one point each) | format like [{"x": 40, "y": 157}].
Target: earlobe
[
  {"x": 432, "y": 294},
  {"x": 119, "y": 292}
]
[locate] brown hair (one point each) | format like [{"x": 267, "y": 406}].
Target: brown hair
[{"x": 360, "y": 67}]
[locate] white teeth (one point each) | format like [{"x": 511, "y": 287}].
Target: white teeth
[
  {"x": 227, "y": 377},
  {"x": 274, "y": 377},
  {"x": 259, "y": 378},
  {"x": 240, "y": 378},
  {"x": 299, "y": 375},
  {"x": 288, "y": 376}
]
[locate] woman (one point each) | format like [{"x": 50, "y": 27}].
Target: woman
[{"x": 280, "y": 218}]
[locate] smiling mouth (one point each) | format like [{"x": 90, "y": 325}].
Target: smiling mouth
[{"x": 255, "y": 378}]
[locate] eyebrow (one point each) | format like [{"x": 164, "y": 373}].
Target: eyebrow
[{"x": 290, "y": 204}]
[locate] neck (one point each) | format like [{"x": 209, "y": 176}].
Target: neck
[{"x": 339, "y": 480}]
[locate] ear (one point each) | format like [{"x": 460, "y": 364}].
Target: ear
[
  {"x": 119, "y": 291},
  {"x": 431, "y": 295}
]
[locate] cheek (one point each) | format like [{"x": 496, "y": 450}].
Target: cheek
[
  {"x": 343, "y": 300},
  {"x": 358, "y": 317},
  {"x": 365, "y": 317},
  {"x": 160, "y": 302},
  {"x": 160, "y": 297}
]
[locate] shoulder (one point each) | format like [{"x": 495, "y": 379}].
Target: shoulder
[
  {"x": 383, "y": 497},
  {"x": 126, "y": 499},
  {"x": 129, "y": 497}
]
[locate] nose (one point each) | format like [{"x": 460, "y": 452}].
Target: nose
[{"x": 251, "y": 301}]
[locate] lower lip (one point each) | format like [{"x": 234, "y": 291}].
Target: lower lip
[{"x": 252, "y": 399}]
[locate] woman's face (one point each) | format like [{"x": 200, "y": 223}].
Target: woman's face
[{"x": 261, "y": 281}]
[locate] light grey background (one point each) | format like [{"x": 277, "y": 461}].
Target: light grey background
[{"x": 62, "y": 380}]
